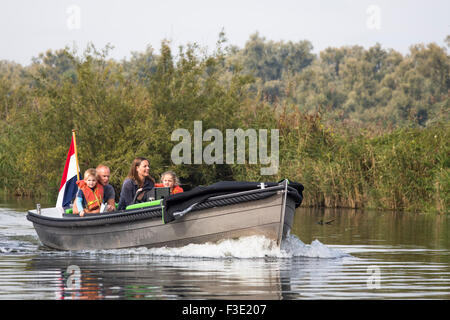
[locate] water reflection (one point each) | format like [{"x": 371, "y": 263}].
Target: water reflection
[
  {"x": 302, "y": 276},
  {"x": 161, "y": 278},
  {"x": 189, "y": 278},
  {"x": 354, "y": 227},
  {"x": 22, "y": 204},
  {"x": 388, "y": 255}
]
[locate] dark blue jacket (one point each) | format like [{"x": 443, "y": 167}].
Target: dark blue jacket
[{"x": 128, "y": 191}]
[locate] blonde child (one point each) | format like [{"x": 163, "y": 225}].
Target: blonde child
[
  {"x": 170, "y": 179},
  {"x": 90, "y": 194}
]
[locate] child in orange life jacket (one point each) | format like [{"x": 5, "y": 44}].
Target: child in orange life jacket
[
  {"x": 90, "y": 194},
  {"x": 170, "y": 179}
]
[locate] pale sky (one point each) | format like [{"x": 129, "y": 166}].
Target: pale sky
[{"x": 30, "y": 27}]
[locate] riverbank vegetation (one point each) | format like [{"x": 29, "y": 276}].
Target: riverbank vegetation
[{"x": 358, "y": 127}]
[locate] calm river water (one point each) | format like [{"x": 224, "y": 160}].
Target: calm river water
[{"x": 358, "y": 255}]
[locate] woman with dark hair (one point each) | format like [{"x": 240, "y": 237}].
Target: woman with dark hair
[{"x": 138, "y": 179}]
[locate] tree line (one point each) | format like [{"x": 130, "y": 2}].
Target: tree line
[{"x": 358, "y": 127}]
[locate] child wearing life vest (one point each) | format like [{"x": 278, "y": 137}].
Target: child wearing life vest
[
  {"x": 170, "y": 179},
  {"x": 90, "y": 194}
]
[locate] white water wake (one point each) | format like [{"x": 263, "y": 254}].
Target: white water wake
[{"x": 252, "y": 247}]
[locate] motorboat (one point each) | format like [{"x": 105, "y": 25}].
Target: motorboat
[{"x": 224, "y": 210}]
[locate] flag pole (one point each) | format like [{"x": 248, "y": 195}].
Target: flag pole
[{"x": 76, "y": 153}]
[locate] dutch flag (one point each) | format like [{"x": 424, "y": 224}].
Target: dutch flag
[{"x": 68, "y": 188}]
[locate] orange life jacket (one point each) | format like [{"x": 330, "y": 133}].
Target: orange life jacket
[
  {"x": 94, "y": 197},
  {"x": 176, "y": 189}
]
